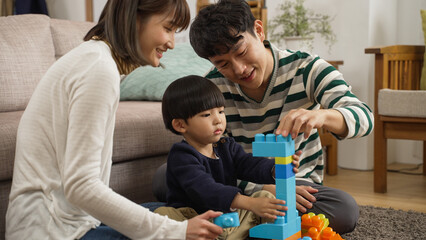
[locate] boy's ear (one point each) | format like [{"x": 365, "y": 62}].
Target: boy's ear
[
  {"x": 179, "y": 125},
  {"x": 258, "y": 29}
]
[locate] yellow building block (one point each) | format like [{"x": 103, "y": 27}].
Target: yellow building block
[{"x": 283, "y": 160}]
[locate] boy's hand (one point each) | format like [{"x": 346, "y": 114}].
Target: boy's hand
[
  {"x": 200, "y": 228},
  {"x": 268, "y": 207},
  {"x": 263, "y": 207}
]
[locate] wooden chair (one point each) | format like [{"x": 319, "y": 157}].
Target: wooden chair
[{"x": 396, "y": 67}]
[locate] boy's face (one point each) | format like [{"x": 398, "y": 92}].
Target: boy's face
[
  {"x": 206, "y": 127},
  {"x": 249, "y": 63}
]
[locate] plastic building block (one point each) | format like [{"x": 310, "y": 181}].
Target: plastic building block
[
  {"x": 284, "y": 160},
  {"x": 286, "y": 189},
  {"x": 284, "y": 171},
  {"x": 309, "y": 220},
  {"x": 227, "y": 220},
  {"x": 272, "y": 145},
  {"x": 329, "y": 234},
  {"x": 289, "y": 226},
  {"x": 277, "y": 230},
  {"x": 313, "y": 233},
  {"x": 317, "y": 228}
]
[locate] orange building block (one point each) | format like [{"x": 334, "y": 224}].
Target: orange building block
[
  {"x": 312, "y": 233},
  {"x": 329, "y": 234},
  {"x": 310, "y": 220},
  {"x": 316, "y": 227},
  {"x": 295, "y": 236}
]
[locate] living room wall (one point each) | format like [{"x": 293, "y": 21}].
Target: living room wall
[{"x": 357, "y": 24}]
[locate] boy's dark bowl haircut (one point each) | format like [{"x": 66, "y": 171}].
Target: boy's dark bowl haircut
[{"x": 188, "y": 96}]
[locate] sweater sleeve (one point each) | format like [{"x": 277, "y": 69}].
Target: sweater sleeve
[
  {"x": 328, "y": 88},
  {"x": 249, "y": 168},
  {"x": 191, "y": 173},
  {"x": 93, "y": 101}
]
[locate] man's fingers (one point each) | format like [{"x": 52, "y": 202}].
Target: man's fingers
[{"x": 300, "y": 208}]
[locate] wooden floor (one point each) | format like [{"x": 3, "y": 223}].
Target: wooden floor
[{"x": 405, "y": 192}]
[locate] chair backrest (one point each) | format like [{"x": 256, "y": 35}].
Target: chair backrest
[{"x": 398, "y": 67}]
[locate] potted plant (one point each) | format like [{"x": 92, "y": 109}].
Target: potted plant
[{"x": 295, "y": 22}]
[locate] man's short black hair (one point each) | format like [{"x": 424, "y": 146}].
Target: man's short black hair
[
  {"x": 188, "y": 96},
  {"x": 218, "y": 27}
]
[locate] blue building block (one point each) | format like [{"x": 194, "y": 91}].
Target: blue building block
[
  {"x": 289, "y": 225},
  {"x": 284, "y": 171},
  {"x": 284, "y": 187},
  {"x": 227, "y": 220},
  {"x": 286, "y": 190},
  {"x": 276, "y": 230},
  {"x": 305, "y": 238},
  {"x": 272, "y": 145}
]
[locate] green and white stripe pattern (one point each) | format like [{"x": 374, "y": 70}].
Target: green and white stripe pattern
[{"x": 299, "y": 80}]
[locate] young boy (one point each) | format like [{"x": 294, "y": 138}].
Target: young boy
[
  {"x": 268, "y": 90},
  {"x": 202, "y": 170}
]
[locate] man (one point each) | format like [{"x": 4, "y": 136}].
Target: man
[{"x": 270, "y": 90}]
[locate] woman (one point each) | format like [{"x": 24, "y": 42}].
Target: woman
[{"x": 64, "y": 142}]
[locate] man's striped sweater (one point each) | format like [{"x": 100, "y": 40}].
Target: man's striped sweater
[{"x": 299, "y": 80}]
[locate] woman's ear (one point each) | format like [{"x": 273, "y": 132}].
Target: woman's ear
[
  {"x": 179, "y": 125},
  {"x": 259, "y": 30}
]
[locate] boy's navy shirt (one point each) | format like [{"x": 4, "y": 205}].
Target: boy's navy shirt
[{"x": 204, "y": 183}]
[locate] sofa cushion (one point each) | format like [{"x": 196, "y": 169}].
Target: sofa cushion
[
  {"x": 8, "y": 128},
  {"x": 150, "y": 83},
  {"x": 68, "y": 34},
  {"x": 27, "y": 52},
  {"x": 140, "y": 131}
]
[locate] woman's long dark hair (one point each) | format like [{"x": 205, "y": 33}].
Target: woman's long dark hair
[{"x": 121, "y": 20}]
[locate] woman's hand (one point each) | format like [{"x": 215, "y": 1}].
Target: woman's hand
[{"x": 201, "y": 228}]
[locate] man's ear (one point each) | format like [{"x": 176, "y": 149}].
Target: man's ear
[
  {"x": 179, "y": 125},
  {"x": 259, "y": 30}
]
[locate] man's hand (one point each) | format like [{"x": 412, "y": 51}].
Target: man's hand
[
  {"x": 295, "y": 162},
  {"x": 302, "y": 120},
  {"x": 296, "y": 159},
  {"x": 304, "y": 198},
  {"x": 200, "y": 228}
]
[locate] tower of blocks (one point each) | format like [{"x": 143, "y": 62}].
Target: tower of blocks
[{"x": 282, "y": 148}]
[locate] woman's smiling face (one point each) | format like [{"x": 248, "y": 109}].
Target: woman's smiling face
[{"x": 157, "y": 35}]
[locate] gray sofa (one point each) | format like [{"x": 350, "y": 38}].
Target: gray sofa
[{"x": 29, "y": 44}]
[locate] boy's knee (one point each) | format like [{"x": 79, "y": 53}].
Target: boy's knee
[{"x": 262, "y": 193}]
